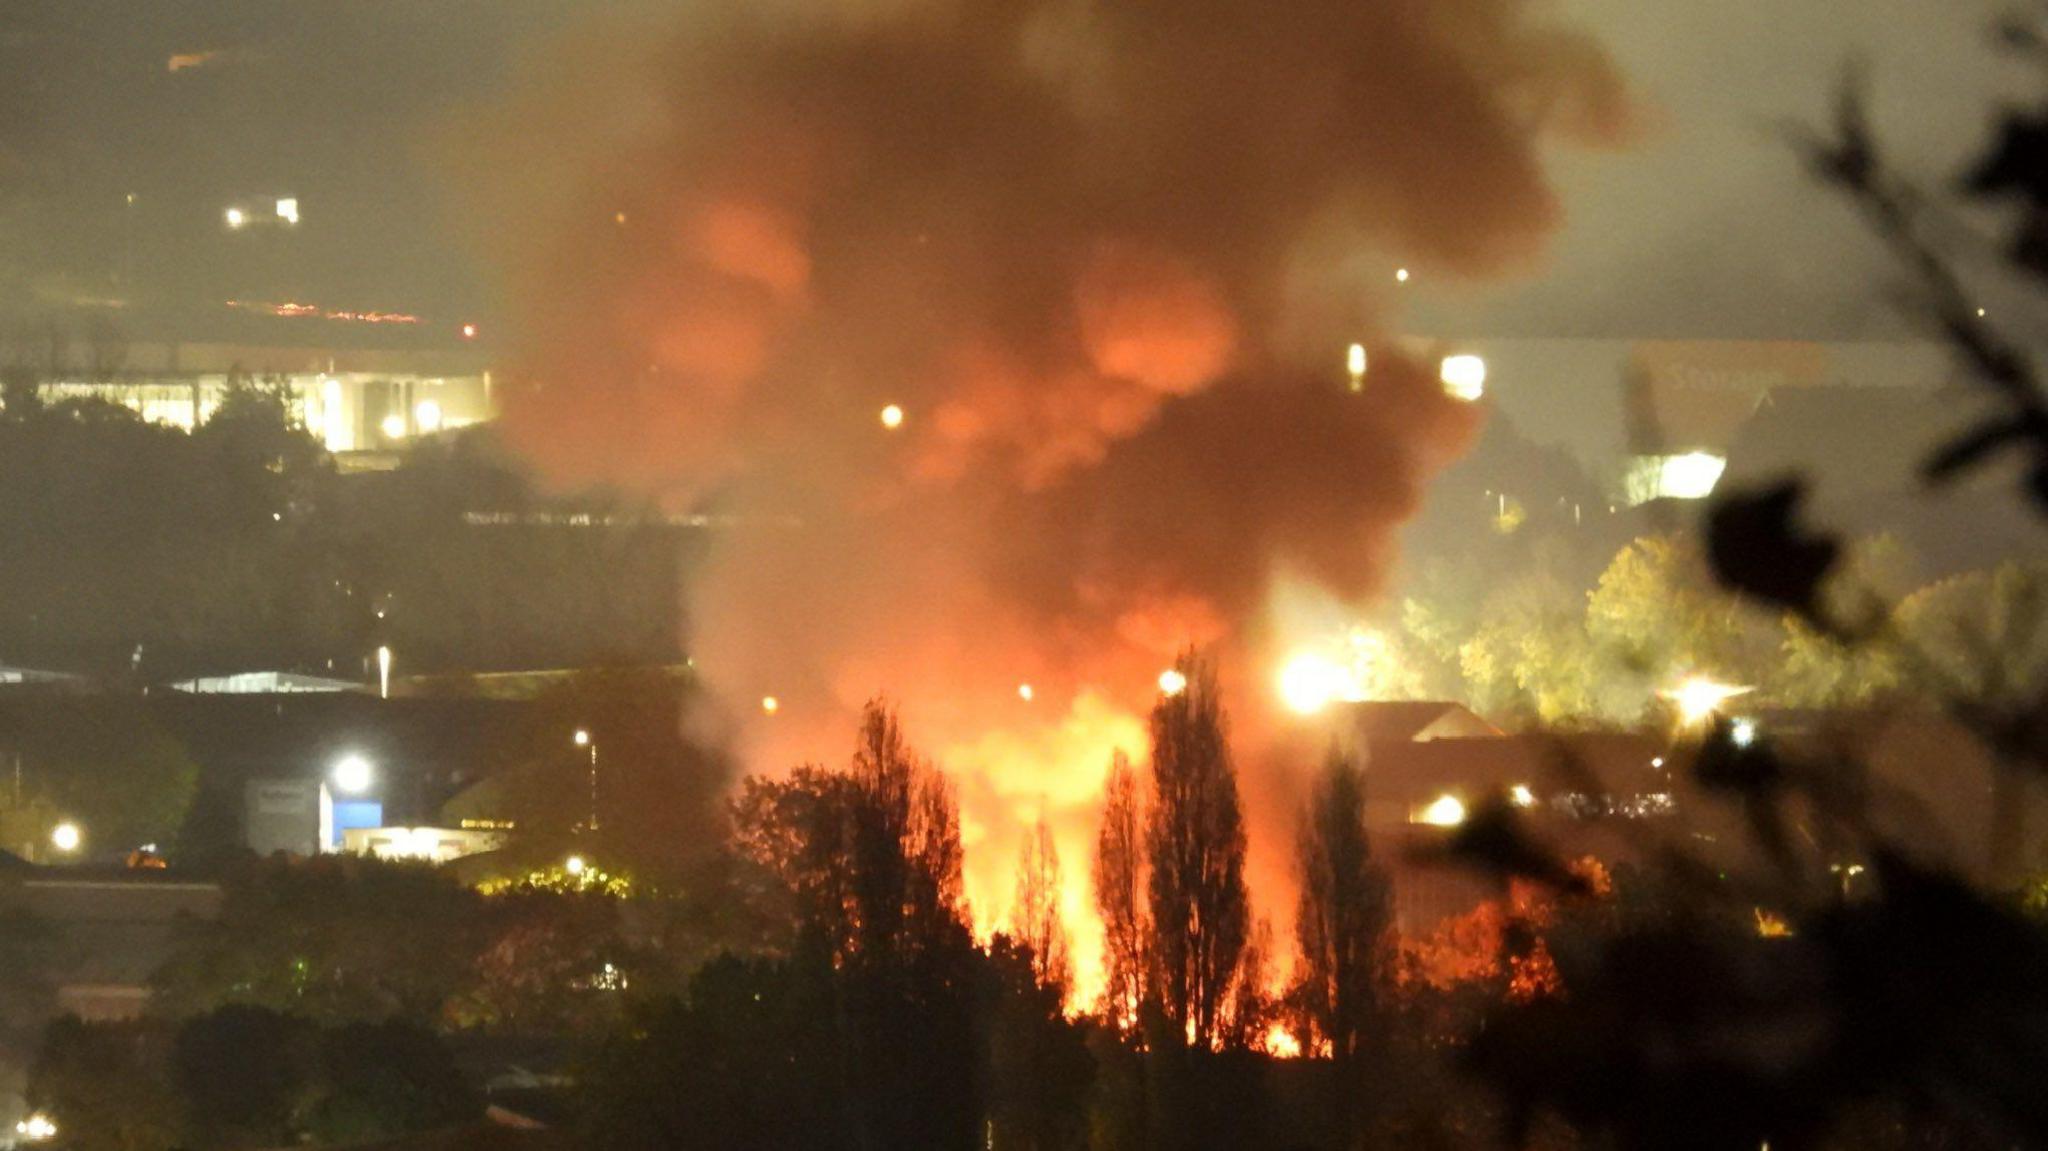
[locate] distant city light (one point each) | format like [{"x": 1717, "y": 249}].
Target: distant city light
[
  {"x": 1742, "y": 732},
  {"x": 353, "y": 774},
  {"x": 37, "y": 1128},
  {"x": 288, "y": 210},
  {"x": 469, "y": 331},
  {"x": 1464, "y": 377},
  {"x": 1444, "y": 811},
  {"x": 1309, "y": 683},
  {"x": 1401, "y": 275},
  {"x": 1172, "y": 682},
  {"x": 428, "y": 416},
  {"x": 770, "y": 705},
  {"x": 619, "y": 218},
  {"x": 1025, "y": 693},
  {"x": 1356, "y": 362},
  {"x": 892, "y": 417},
  {"x": 582, "y": 738},
  {"x": 236, "y": 217},
  {"x": 393, "y": 426},
  {"x": 574, "y": 865},
  {"x": 66, "y": 836},
  {"x": 1522, "y": 796},
  {"x": 1699, "y": 697}
]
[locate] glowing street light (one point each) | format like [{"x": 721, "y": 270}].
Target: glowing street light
[
  {"x": 892, "y": 417},
  {"x": 353, "y": 774},
  {"x": 1521, "y": 796},
  {"x": 288, "y": 210},
  {"x": 1742, "y": 732},
  {"x": 66, "y": 837},
  {"x": 1025, "y": 693},
  {"x": 1355, "y": 362},
  {"x": 427, "y": 414},
  {"x": 236, "y": 218},
  {"x": 1445, "y": 810},
  {"x": 393, "y": 426},
  {"x": 770, "y": 705},
  {"x": 1400, "y": 275},
  {"x": 575, "y": 866},
  {"x": 582, "y": 739},
  {"x": 1172, "y": 681},
  {"x": 1699, "y": 697}
]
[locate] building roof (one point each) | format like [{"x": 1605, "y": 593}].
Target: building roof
[
  {"x": 263, "y": 683},
  {"x": 1618, "y": 763},
  {"x": 1412, "y": 720}
]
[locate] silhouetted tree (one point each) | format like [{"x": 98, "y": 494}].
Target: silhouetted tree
[
  {"x": 1195, "y": 846},
  {"x": 1035, "y": 917},
  {"x": 242, "y": 1073},
  {"x": 1341, "y": 925},
  {"x": 1119, "y": 874},
  {"x": 105, "y": 1084},
  {"x": 379, "y": 1080}
]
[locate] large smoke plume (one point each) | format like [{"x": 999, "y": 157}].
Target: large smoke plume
[{"x": 1104, "y": 254}]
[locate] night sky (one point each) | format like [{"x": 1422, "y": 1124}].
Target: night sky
[{"x": 1706, "y": 227}]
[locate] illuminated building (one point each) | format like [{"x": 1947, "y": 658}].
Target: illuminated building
[{"x": 354, "y": 401}]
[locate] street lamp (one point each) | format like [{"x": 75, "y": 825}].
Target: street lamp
[
  {"x": 353, "y": 774},
  {"x": 575, "y": 866},
  {"x": 582, "y": 739},
  {"x": 66, "y": 837}
]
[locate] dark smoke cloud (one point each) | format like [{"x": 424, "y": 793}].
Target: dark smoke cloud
[{"x": 1104, "y": 255}]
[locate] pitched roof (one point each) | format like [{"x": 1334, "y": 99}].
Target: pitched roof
[{"x": 1410, "y": 720}]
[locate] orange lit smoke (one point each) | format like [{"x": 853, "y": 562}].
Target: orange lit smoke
[{"x": 1105, "y": 260}]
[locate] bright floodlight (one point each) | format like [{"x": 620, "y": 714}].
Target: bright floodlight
[
  {"x": 1464, "y": 377},
  {"x": 1308, "y": 683},
  {"x": 574, "y": 865},
  {"x": 353, "y": 774},
  {"x": 288, "y": 210},
  {"x": 1691, "y": 476},
  {"x": 427, "y": 414},
  {"x": 37, "y": 1128},
  {"x": 66, "y": 836},
  {"x": 892, "y": 417},
  {"x": 1699, "y": 697},
  {"x": 1172, "y": 682},
  {"x": 1522, "y": 796},
  {"x": 582, "y": 738},
  {"x": 236, "y": 217},
  {"x": 1444, "y": 811},
  {"x": 393, "y": 426}
]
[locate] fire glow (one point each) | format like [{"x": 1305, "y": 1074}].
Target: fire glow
[{"x": 1025, "y": 376}]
